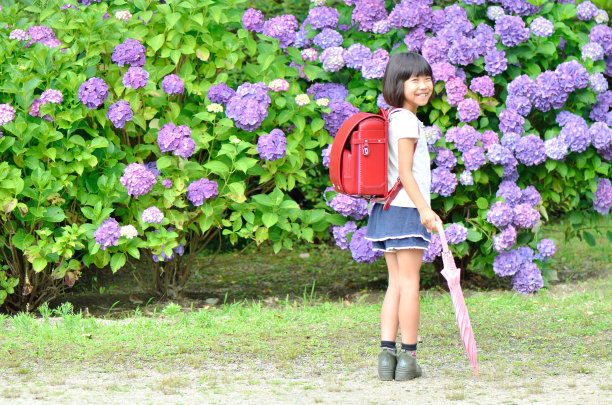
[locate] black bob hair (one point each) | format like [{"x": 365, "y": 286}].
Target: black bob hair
[{"x": 401, "y": 67}]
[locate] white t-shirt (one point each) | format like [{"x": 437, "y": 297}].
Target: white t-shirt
[{"x": 404, "y": 124}]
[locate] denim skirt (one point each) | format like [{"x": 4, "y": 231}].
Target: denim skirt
[{"x": 395, "y": 229}]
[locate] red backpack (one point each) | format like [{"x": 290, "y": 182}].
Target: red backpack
[{"x": 358, "y": 158}]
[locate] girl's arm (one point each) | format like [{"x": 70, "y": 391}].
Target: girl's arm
[{"x": 405, "y": 157}]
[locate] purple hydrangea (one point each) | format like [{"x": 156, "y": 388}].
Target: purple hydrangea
[
  {"x": 42, "y": 35},
  {"x": 361, "y": 248},
  {"x": 333, "y": 59},
  {"x": 367, "y": 12},
  {"x": 119, "y": 113},
  {"x": 601, "y": 135},
  {"x": 528, "y": 279},
  {"x": 443, "y": 181},
  {"x": 510, "y": 140},
  {"x": 601, "y": 17},
  {"x": 435, "y": 49},
  {"x": 356, "y": 54},
  {"x": 520, "y": 104},
  {"x": 530, "y": 150},
  {"x": 511, "y": 30},
  {"x": 505, "y": 240},
  {"x": 152, "y": 215},
  {"x": 586, "y": 10},
  {"x": 555, "y": 148},
  {"x": 253, "y": 20},
  {"x": 220, "y": 93},
  {"x": 328, "y": 38},
  {"x": 442, "y": 71},
  {"x": 572, "y": 76},
  {"x": 489, "y": 138},
  {"x": 483, "y": 85},
  {"x": 510, "y": 192},
  {"x": 468, "y": 110},
  {"x": 340, "y": 111},
  {"x": 282, "y": 28},
  {"x": 172, "y": 84},
  {"x": 322, "y": 17},
  {"x": 404, "y": 15},
  {"x": 434, "y": 249},
  {"x": 593, "y": 51},
  {"x": 521, "y": 86},
  {"x": 185, "y": 148},
  {"x": 432, "y": 134},
  {"x": 137, "y": 179},
  {"x": 598, "y": 83},
  {"x": 348, "y": 206},
  {"x": 7, "y": 113},
  {"x": 332, "y": 91},
  {"x": 548, "y": 92},
  {"x": 135, "y": 77},
  {"x": 474, "y": 158},
  {"x": 309, "y": 55},
  {"x": 547, "y": 248},
  {"x": 464, "y": 137},
  {"x": 511, "y": 121},
  {"x": 576, "y": 135},
  {"x": 93, "y": 93},
  {"x": 130, "y": 52},
  {"x": 507, "y": 263},
  {"x": 500, "y": 214},
  {"x": 541, "y": 27},
  {"x": 525, "y": 216},
  {"x": 272, "y": 146},
  {"x": 499, "y": 155},
  {"x": 602, "y": 34},
  {"x": 456, "y": 91},
  {"x": 381, "y": 103},
  {"x": 341, "y": 232},
  {"x": 494, "y": 12},
  {"x": 484, "y": 39},
  {"x": 445, "y": 158},
  {"x": 603, "y": 196},
  {"x": 415, "y": 39},
  {"x": 18, "y": 34},
  {"x": 200, "y": 190},
  {"x": 52, "y": 96},
  {"x": 249, "y": 107},
  {"x": 462, "y": 51},
  {"x": 35, "y": 109},
  {"x": 374, "y": 67},
  {"x": 455, "y": 233},
  {"x": 108, "y": 233},
  {"x": 495, "y": 62},
  {"x": 152, "y": 167},
  {"x": 531, "y": 196}
]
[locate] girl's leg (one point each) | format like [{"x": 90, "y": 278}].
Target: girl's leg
[
  {"x": 409, "y": 265},
  {"x": 389, "y": 312}
]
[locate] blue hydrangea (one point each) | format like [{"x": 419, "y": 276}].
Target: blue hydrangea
[
  {"x": 361, "y": 248},
  {"x": 525, "y": 216},
  {"x": 505, "y": 240},
  {"x": 530, "y": 150},
  {"x": 510, "y": 192},
  {"x": 528, "y": 279},
  {"x": 341, "y": 232},
  {"x": 500, "y": 214},
  {"x": 443, "y": 181},
  {"x": 272, "y": 146}
]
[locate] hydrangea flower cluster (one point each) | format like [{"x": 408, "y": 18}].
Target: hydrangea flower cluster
[
  {"x": 19, "y": 34},
  {"x": 137, "y": 179},
  {"x": 347, "y": 205},
  {"x": 130, "y": 52},
  {"x": 172, "y": 84},
  {"x": 530, "y": 150},
  {"x": 7, "y": 113},
  {"x": 483, "y": 85},
  {"x": 340, "y": 111},
  {"x": 367, "y": 12},
  {"x": 331, "y": 91},
  {"x": 328, "y": 38},
  {"x": 124, "y": 15},
  {"x": 602, "y": 35},
  {"x": 374, "y": 67},
  {"x": 220, "y": 93},
  {"x": 603, "y": 196},
  {"x": 310, "y": 54},
  {"x": 468, "y": 110},
  {"x": 272, "y": 146},
  {"x": 135, "y": 77},
  {"x": 547, "y": 248},
  {"x": 455, "y": 233},
  {"x": 341, "y": 234},
  {"x": 361, "y": 248},
  {"x": 93, "y": 93},
  {"x": 253, "y": 20},
  {"x": 598, "y": 83},
  {"x": 200, "y": 190},
  {"x": 586, "y": 10},
  {"x": 119, "y": 113},
  {"x": 443, "y": 181},
  {"x": 333, "y": 58},
  {"x": 43, "y": 35},
  {"x": 528, "y": 279},
  {"x": 278, "y": 85},
  {"x": 325, "y": 156},
  {"x": 108, "y": 233},
  {"x": 249, "y": 107},
  {"x": 129, "y": 232},
  {"x": 505, "y": 240},
  {"x": 356, "y": 55},
  {"x": 511, "y": 30},
  {"x": 302, "y": 100},
  {"x": 177, "y": 139},
  {"x": 282, "y": 28},
  {"x": 152, "y": 215},
  {"x": 322, "y": 17},
  {"x": 541, "y": 27}
]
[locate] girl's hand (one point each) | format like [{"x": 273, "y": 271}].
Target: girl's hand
[{"x": 429, "y": 219}]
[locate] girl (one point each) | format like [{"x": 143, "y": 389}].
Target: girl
[{"x": 403, "y": 232}]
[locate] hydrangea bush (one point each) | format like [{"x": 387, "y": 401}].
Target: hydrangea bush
[
  {"x": 143, "y": 131},
  {"x": 521, "y": 117}
]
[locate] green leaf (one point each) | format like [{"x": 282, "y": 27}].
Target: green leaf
[
  {"x": 482, "y": 203},
  {"x": 156, "y": 42},
  {"x": 547, "y": 48},
  {"x": 134, "y": 252},
  {"x": 217, "y": 167},
  {"x": 269, "y": 219},
  {"x": 99, "y": 142},
  {"x": 39, "y": 264},
  {"x": 588, "y": 237},
  {"x": 117, "y": 261},
  {"x": 245, "y": 163},
  {"x": 54, "y": 214},
  {"x": 609, "y": 235},
  {"x": 474, "y": 235}
]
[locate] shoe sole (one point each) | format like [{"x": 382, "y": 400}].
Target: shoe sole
[
  {"x": 386, "y": 373},
  {"x": 407, "y": 375}
]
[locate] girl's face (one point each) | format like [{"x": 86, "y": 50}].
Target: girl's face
[{"x": 417, "y": 91}]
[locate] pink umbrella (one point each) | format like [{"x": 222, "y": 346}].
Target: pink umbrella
[{"x": 452, "y": 275}]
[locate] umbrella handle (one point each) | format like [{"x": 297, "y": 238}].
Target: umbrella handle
[{"x": 440, "y": 230}]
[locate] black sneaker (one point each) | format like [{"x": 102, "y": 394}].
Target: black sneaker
[
  {"x": 386, "y": 364},
  {"x": 407, "y": 367}
]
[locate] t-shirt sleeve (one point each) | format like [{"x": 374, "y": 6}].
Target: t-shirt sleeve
[{"x": 404, "y": 124}]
